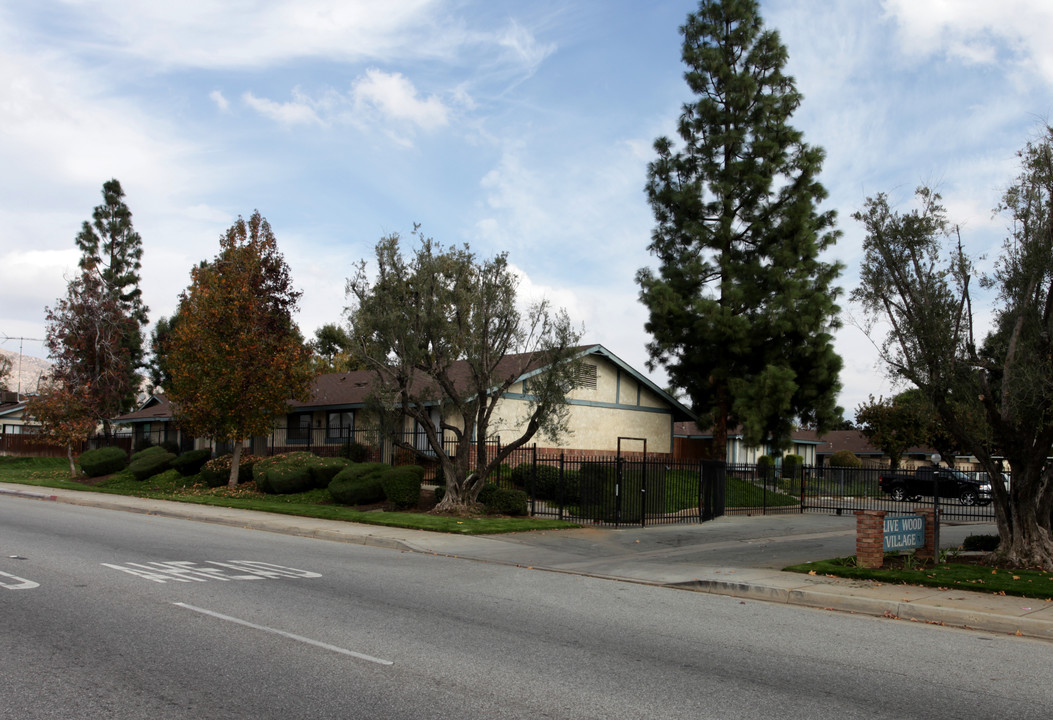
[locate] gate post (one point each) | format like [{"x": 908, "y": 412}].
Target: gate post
[{"x": 870, "y": 538}]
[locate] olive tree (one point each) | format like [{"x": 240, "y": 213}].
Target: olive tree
[{"x": 445, "y": 338}]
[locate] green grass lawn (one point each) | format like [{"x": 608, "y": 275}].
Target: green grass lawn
[
  {"x": 959, "y": 576},
  {"x": 742, "y": 494},
  {"x": 170, "y": 485}
]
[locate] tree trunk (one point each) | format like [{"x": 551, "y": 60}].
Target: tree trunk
[
  {"x": 235, "y": 464},
  {"x": 462, "y": 487},
  {"x": 1024, "y": 524},
  {"x": 1029, "y": 544},
  {"x": 72, "y": 465}
]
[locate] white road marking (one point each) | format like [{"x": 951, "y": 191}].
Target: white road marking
[
  {"x": 162, "y": 572},
  {"x": 298, "y": 638},
  {"x": 18, "y": 584}
]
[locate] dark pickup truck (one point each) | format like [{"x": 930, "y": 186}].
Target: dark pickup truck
[{"x": 949, "y": 483}]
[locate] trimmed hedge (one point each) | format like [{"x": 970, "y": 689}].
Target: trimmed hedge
[
  {"x": 402, "y": 485},
  {"x": 984, "y": 543},
  {"x": 507, "y": 501},
  {"x": 191, "y": 462},
  {"x": 356, "y": 452},
  {"x": 844, "y": 458},
  {"x": 503, "y": 501},
  {"x": 104, "y": 461},
  {"x": 324, "y": 469},
  {"x": 149, "y": 451},
  {"x": 285, "y": 474},
  {"x": 359, "y": 484},
  {"x": 146, "y": 464},
  {"x": 216, "y": 472},
  {"x": 765, "y": 465},
  {"x": 791, "y": 466},
  {"x": 546, "y": 484}
]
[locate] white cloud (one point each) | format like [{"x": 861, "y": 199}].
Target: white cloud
[
  {"x": 523, "y": 46},
  {"x": 219, "y": 33},
  {"x": 297, "y": 112},
  {"x": 394, "y": 97},
  {"x": 977, "y": 31},
  {"x": 221, "y": 102}
]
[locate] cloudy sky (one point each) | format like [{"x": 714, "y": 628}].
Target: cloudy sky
[{"x": 518, "y": 127}]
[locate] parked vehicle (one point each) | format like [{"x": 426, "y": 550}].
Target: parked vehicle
[{"x": 949, "y": 483}]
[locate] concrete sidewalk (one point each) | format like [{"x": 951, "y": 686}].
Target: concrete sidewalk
[{"x": 737, "y": 556}]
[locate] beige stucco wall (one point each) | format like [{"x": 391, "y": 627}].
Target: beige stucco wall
[{"x": 592, "y": 427}]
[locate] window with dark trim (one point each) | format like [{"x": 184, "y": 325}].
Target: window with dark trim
[
  {"x": 339, "y": 426},
  {"x": 298, "y": 427}
]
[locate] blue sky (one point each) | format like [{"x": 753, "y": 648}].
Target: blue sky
[{"x": 518, "y": 127}]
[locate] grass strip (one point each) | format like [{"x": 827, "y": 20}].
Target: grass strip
[
  {"x": 170, "y": 485},
  {"x": 950, "y": 575}
]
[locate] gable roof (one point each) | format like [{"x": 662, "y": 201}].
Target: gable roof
[
  {"x": 155, "y": 408},
  {"x": 350, "y": 390}
]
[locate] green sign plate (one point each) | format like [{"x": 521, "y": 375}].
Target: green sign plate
[{"x": 904, "y": 532}]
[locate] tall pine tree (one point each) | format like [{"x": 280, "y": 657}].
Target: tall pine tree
[
  {"x": 112, "y": 251},
  {"x": 741, "y": 307}
]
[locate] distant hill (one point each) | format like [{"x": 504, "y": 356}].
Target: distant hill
[{"x": 32, "y": 370}]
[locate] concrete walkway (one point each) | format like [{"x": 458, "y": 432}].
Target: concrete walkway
[{"x": 737, "y": 556}]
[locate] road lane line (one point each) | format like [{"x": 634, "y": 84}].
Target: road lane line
[
  {"x": 298, "y": 638},
  {"x": 18, "y": 583}
]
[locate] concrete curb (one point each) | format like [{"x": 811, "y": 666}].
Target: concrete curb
[
  {"x": 877, "y": 607},
  {"x": 216, "y": 516}
]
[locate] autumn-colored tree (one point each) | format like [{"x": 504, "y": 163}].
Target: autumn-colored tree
[
  {"x": 64, "y": 414},
  {"x": 236, "y": 358},
  {"x": 85, "y": 338}
]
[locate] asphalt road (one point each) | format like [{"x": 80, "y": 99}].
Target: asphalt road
[{"x": 116, "y": 615}]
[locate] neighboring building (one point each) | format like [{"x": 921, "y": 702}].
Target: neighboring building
[
  {"x": 615, "y": 408},
  {"x": 694, "y": 443},
  {"x": 13, "y": 419}
]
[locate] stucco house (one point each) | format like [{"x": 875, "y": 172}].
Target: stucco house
[
  {"x": 615, "y": 408},
  {"x": 693, "y": 442},
  {"x": 13, "y": 418}
]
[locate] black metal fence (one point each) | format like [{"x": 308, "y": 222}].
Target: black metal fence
[{"x": 614, "y": 490}]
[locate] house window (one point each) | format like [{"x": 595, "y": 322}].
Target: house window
[
  {"x": 587, "y": 376},
  {"x": 298, "y": 428},
  {"x": 339, "y": 426}
]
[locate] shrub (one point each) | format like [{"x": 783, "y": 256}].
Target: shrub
[
  {"x": 486, "y": 493},
  {"x": 545, "y": 485},
  {"x": 216, "y": 472},
  {"x": 984, "y": 543},
  {"x": 765, "y": 463},
  {"x": 844, "y": 458},
  {"x": 402, "y": 485},
  {"x": 104, "y": 461},
  {"x": 148, "y": 451},
  {"x": 323, "y": 470},
  {"x": 440, "y": 493},
  {"x": 504, "y": 501},
  {"x": 146, "y": 465},
  {"x": 190, "y": 463},
  {"x": 356, "y": 452},
  {"x": 286, "y": 473},
  {"x": 791, "y": 466},
  {"x": 359, "y": 484}
]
